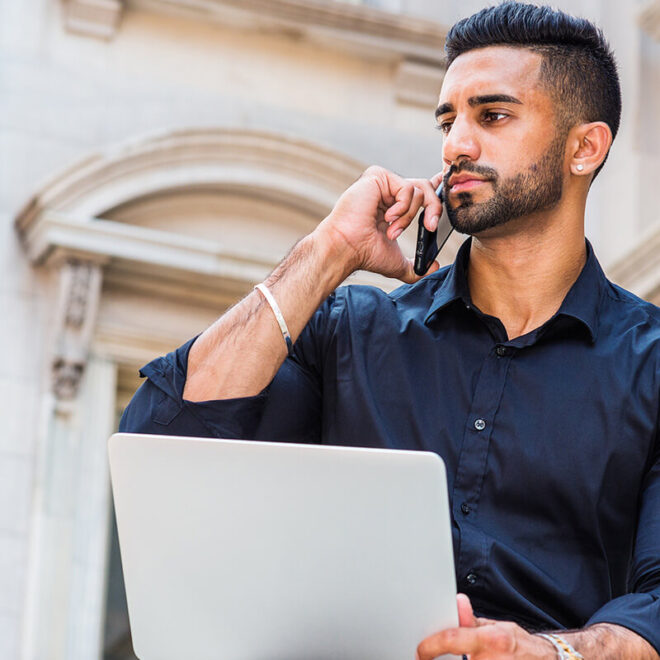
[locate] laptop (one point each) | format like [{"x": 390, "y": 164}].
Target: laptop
[{"x": 246, "y": 550}]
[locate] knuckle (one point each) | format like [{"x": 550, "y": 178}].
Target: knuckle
[
  {"x": 376, "y": 172},
  {"x": 501, "y": 639},
  {"x": 423, "y": 650}
]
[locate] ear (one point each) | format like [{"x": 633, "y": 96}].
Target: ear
[{"x": 590, "y": 144}]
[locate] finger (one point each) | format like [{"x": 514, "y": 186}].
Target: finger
[
  {"x": 432, "y": 205},
  {"x": 465, "y": 614},
  {"x": 457, "y": 641},
  {"x": 483, "y": 621},
  {"x": 409, "y": 214},
  {"x": 499, "y": 640},
  {"x": 388, "y": 183},
  {"x": 437, "y": 178},
  {"x": 409, "y": 276},
  {"x": 403, "y": 199}
]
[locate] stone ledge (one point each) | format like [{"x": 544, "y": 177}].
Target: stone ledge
[{"x": 362, "y": 29}]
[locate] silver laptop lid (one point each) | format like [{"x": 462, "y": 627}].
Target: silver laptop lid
[{"x": 275, "y": 551}]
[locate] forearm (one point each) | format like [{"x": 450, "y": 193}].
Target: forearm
[
  {"x": 607, "y": 641},
  {"x": 241, "y": 352}
]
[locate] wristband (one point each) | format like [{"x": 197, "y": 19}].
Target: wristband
[
  {"x": 278, "y": 315},
  {"x": 564, "y": 650}
]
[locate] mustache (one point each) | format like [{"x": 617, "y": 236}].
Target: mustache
[{"x": 466, "y": 166}]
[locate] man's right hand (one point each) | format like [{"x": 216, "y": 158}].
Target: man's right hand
[
  {"x": 364, "y": 224},
  {"x": 241, "y": 352}
]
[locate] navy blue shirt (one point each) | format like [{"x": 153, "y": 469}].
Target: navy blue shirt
[{"x": 551, "y": 440}]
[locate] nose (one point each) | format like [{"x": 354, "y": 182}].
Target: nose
[{"x": 460, "y": 143}]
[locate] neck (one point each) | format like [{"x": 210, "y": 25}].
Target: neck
[{"x": 522, "y": 276}]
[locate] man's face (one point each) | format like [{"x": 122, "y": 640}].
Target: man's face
[{"x": 502, "y": 151}]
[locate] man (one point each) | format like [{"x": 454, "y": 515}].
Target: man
[{"x": 536, "y": 379}]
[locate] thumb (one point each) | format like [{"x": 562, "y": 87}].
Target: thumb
[
  {"x": 466, "y": 617},
  {"x": 410, "y": 277}
]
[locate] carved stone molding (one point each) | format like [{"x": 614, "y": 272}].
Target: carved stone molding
[
  {"x": 80, "y": 289},
  {"x": 649, "y": 19},
  {"x": 308, "y": 176},
  {"x": 94, "y": 18},
  {"x": 358, "y": 28},
  {"x": 366, "y": 30}
]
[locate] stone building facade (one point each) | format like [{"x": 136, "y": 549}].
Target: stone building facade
[{"x": 158, "y": 159}]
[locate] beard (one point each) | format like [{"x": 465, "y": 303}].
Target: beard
[{"x": 539, "y": 188}]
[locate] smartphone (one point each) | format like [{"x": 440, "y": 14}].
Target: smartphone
[{"x": 429, "y": 243}]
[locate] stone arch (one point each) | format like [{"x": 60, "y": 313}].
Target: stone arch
[
  {"x": 272, "y": 166},
  {"x": 172, "y": 215},
  {"x": 132, "y": 236}
]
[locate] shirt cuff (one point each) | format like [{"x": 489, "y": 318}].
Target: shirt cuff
[
  {"x": 227, "y": 418},
  {"x": 639, "y": 612}
]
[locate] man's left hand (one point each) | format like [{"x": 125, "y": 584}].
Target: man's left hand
[{"x": 485, "y": 639}]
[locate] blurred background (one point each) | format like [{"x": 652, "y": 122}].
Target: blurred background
[{"x": 158, "y": 158}]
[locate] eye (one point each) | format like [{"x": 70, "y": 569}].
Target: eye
[
  {"x": 444, "y": 127},
  {"x": 491, "y": 116}
]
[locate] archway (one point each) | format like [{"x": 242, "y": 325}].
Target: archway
[{"x": 150, "y": 241}]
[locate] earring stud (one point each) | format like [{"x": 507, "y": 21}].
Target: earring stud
[{"x": 579, "y": 167}]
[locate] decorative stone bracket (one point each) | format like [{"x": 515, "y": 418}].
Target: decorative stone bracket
[
  {"x": 78, "y": 301},
  {"x": 93, "y": 18}
]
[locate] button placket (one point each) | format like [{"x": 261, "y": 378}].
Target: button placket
[{"x": 473, "y": 461}]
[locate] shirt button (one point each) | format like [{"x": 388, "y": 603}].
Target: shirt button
[
  {"x": 479, "y": 424},
  {"x": 471, "y": 578},
  {"x": 465, "y": 508},
  {"x": 501, "y": 351}
]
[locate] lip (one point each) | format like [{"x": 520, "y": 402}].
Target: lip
[{"x": 463, "y": 182}]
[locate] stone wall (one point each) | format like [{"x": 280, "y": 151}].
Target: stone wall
[{"x": 83, "y": 83}]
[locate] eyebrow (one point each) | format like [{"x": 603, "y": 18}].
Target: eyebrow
[{"x": 478, "y": 100}]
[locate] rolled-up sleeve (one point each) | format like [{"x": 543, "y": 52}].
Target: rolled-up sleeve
[
  {"x": 639, "y": 610},
  {"x": 288, "y": 409}
]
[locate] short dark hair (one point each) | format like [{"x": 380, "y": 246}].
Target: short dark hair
[{"x": 578, "y": 68}]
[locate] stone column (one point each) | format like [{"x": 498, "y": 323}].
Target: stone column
[{"x": 69, "y": 535}]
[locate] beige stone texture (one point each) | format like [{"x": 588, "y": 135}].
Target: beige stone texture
[{"x": 176, "y": 149}]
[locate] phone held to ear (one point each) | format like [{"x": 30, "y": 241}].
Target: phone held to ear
[{"x": 429, "y": 243}]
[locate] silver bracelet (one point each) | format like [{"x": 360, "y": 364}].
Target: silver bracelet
[
  {"x": 564, "y": 650},
  {"x": 278, "y": 315}
]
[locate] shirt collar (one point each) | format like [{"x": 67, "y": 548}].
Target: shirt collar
[
  {"x": 581, "y": 303},
  {"x": 455, "y": 285}
]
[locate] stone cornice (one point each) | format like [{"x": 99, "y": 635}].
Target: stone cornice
[
  {"x": 156, "y": 262},
  {"x": 371, "y": 32},
  {"x": 55, "y": 237}
]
